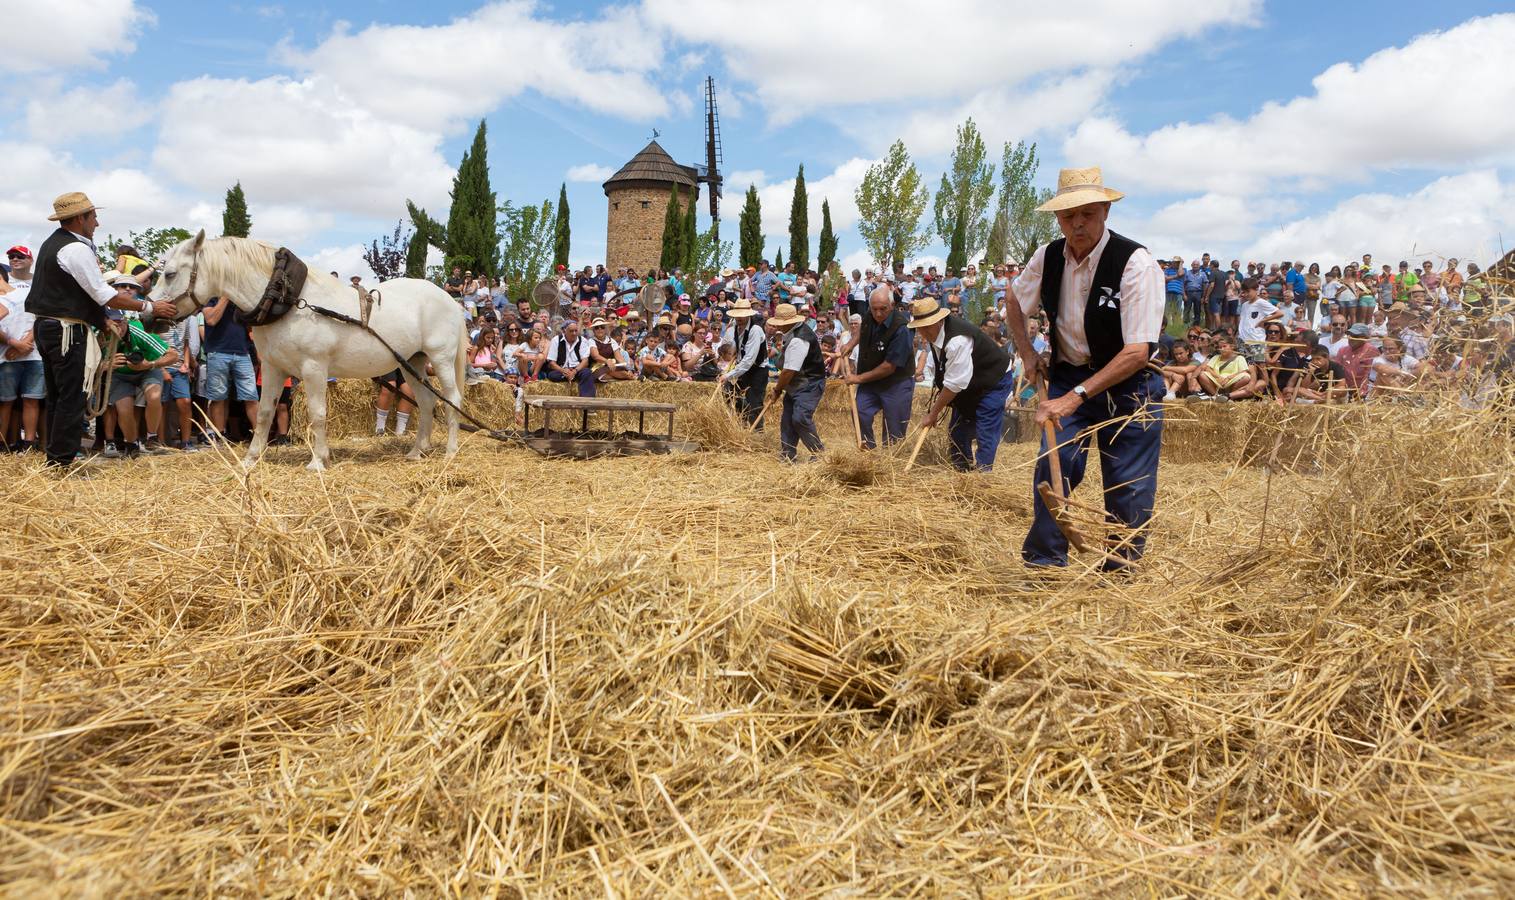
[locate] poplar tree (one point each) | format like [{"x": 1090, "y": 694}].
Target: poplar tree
[
  {"x": 826, "y": 254},
  {"x": 750, "y": 230},
  {"x": 560, "y": 229}
]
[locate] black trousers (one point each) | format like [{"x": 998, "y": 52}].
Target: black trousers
[
  {"x": 750, "y": 391},
  {"x": 63, "y": 379}
]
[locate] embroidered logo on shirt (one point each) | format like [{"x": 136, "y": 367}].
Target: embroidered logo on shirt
[{"x": 1110, "y": 299}]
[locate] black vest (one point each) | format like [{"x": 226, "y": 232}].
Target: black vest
[
  {"x": 990, "y": 361},
  {"x": 55, "y": 292},
  {"x": 578, "y": 346},
  {"x": 873, "y": 343},
  {"x": 742, "y": 335},
  {"x": 1102, "y": 325},
  {"x": 814, "y": 366}
]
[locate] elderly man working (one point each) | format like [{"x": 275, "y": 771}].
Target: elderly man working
[
  {"x": 885, "y": 368},
  {"x": 802, "y": 381},
  {"x": 1103, "y": 295},
  {"x": 748, "y": 378},
  {"x": 969, "y": 372}
]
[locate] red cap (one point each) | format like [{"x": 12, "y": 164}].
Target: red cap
[
  {"x": 562, "y": 268},
  {"x": 19, "y": 250}
]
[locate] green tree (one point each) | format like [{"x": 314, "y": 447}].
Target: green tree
[
  {"x": 673, "y": 232},
  {"x": 711, "y": 253},
  {"x": 750, "y": 230},
  {"x": 957, "y": 254},
  {"x": 560, "y": 229},
  {"x": 826, "y": 254},
  {"x": 689, "y": 243},
  {"x": 1026, "y": 229},
  {"x": 473, "y": 242},
  {"x": 962, "y": 200},
  {"x": 528, "y": 244},
  {"x": 778, "y": 259},
  {"x": 999, "y": 238},
  {"x": 235, "y": 222},
  {"x": 799, "y": 224},
  {"x": 151, "y": 244},
  {"x": 428, "y": 233},
  {"x": 890, "y": 202}
]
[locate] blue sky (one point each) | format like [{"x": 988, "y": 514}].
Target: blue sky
[{"x": 1250, "y": 129}]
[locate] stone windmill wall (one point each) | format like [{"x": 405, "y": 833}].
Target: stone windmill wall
[{"x": 637, "y": 198}]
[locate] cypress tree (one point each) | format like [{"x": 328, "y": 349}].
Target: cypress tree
[
  {"x": 750, "y": 230},
  {"x": 673, "y": 232},
  {"x": 827, "y": 252},
  {"x": 235, "y": 222},
  {"x": 957, "y": 254},
  {"x": 691, "y": 240},
  {"x": 799, "y": 224},
  {"x": 778, "y": 259},
  {"x": 472, "y": 242},
  {"x": 560, "y": 230}
]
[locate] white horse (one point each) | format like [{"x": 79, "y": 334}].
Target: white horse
[{"x": 418, "y": 319}]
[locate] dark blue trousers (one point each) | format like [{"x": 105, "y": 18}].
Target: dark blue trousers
[
  {"x": 973, "y": 440},
  {"x": 797, "y": 426},
  {"x": 893, "y": 401},
  {"x": 1128, "y": 420},
  {"x": 585, "y": 379}
]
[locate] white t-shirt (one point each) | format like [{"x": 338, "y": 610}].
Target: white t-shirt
[
  {"x": 1334, "y": 346},
  {"x": 17, "y": 322},
  {"x": 1249, "y": 329}
]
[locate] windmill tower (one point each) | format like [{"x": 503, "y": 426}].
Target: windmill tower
[{"x": 638, "y": 195}]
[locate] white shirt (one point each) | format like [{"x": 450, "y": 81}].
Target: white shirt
[
  {"x": 576, "y": 354},
  {"x": 17, "y": 323},
  {"x": 959, "y": 366},
  {"x": 795, "y": 352},
  {"x": 1141, "y": 297},
  {"x": 750, "y": 352},
  {"x": 78, "y": 260},
  {"x": 1249, "y": 327}
]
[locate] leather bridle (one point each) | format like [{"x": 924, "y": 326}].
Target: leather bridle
[{"x": 194, "y": 275}]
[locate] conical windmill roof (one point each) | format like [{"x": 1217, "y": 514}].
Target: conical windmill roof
[{"x": 652, "y": 164}]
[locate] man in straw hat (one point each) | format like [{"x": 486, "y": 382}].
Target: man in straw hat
[
  {"x": 969, "y": 372},
  {"x": 1103, "y": 296},
  {"x": 885, "y": 375},
  {"x": 747, "y": 381},
  {"x": 69, "y": 297},
  {"x": 802, "y": 381}
]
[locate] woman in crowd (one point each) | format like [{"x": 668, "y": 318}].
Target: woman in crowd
[
  {"x": 512, "y": 345},
  {"x": 1180, "y": 375},
  {"x": 698, "y": 358},
  {"x": 484, "y": 356}
]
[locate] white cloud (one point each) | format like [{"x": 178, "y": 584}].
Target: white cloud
[
  {"x": 838, "y": 187},
  {"x": 1002, "y": 115},
  {"x": 129, "y": 198},
  {"x": 1425, "y": 105},
  {"x": 58, "y": 117},
  {"x": 590, "y": 172},
  {"x": 741, "y": 179},
  {"x": 858, "y": 62},
  {"x": 63, "y": 34},
  {"x": 433, "y": 77},
  {"x": 1459, "y": 216},
  {"x": 297, "y": 143},
  {"x": 346, "y": 261}
]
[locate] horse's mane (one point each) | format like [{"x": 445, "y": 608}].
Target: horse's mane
[{"x": 234, "y": 252}]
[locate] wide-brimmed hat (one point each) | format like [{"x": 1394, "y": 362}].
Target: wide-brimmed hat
[
  {"x": 1079, "y": 187},
  {"x": 727, "y": 273},
  {"x": 926, "y": 311},
  {"x": 741, "y": 309},
  {"x": 785, "y": 314},
  {"x": 1360, "y": 330},
  {"x": 1399, "y": 307},
  {"x": 119, "y": 278},
  {"x": 599, "y": 323},
  {"x": 664, "y": 320},
  {"x": 71, "y": 204}
]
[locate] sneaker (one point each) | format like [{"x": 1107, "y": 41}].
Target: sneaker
[
  {"x": 111, "y": 451},
  {"x": 152, "y": 445},
  {"x": 1202, "y": 396},
  {"x": 1170, "y": 396},
  {"x": 1225, "y": 398},
  {"x": 131, "y": 450},
  {"x": 189, "y": 446}
]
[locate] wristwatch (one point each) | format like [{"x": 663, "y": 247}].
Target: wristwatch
[{"x": 1081, "y": 391}]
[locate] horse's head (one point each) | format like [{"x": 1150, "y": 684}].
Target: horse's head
[{"x": 182, "y": 280}]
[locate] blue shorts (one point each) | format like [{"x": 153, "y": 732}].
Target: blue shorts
[
  {"x": 1233, "y": 308},
  {"x": 179, "y": 387},
  {"x": 22, "y": 378},
  {"x": 223, "y": 370}
]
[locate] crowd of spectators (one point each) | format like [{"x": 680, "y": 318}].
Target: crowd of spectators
[{"x": 1285, "y": 332}]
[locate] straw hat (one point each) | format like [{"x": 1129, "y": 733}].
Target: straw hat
[
  {"x": 785, "y": 314},
  {"x": 119, "y": 278},
  {"x": 926, "y": 311},
  {"x": 1079, "y": 187},
  {"x": 598, "y": 323},
  {"x": 66, "y": 206},
  {"x": 741, "y": 309}
]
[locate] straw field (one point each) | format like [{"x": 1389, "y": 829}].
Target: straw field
[{"x": 716, "y": 674}]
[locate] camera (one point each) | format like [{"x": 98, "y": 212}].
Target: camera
[{"x": 135, "y": 357}]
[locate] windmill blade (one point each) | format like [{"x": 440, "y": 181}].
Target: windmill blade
[{"x": 713, "y": 158}]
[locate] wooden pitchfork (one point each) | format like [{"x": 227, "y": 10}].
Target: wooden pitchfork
[{"x": 1055, "y": 498}]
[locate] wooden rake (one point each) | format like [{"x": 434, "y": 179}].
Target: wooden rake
[{"x": 1056, "y": 498}]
